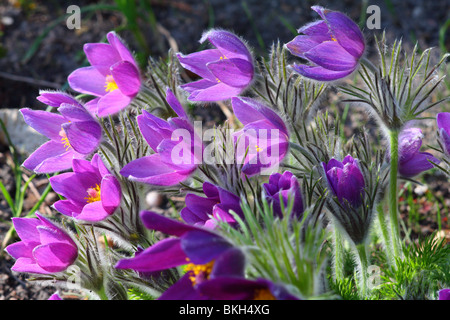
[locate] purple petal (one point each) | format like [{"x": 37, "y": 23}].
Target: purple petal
[
  {"x": 56, "y": 99},
  {"x": 26, "y": 229},
  {"x": 443, "y": 121},
  {"x": 318, "y": 30},
  {"x": 111, "y": 193},
  {"x": 229, "y": 263},
  {"x": 84, "y": 136},
  {"x": 202, "y": 246},
  {"x": 46, "y": 123},
  {"x": 182, "y": 290},
  {"x": 50, "y": 157},
  {"x": 21, "y": 249},
  {"x": 74, "y": 186},
  {"x": 153, "y": 129},
  {"x": 120, "y": 47},
  {"x": 319, "y": 73},
  {"x": 93, "y": 212},
  {"x": 101, "y": 56},
  {"x": 155, "y": 221},
  {"x": 52, "y": 234},
  {"x": 88, "y": 80},
  {"x": 91, "y": 106},
  {"x": 302, "y": 44},
  {"x": 127, "y": 78},
  {"x": 75, "y": 113},
  {"x": 330, "y": 55},
  {"x": 228, "y": 44},
  {"x": 210, "y": 91},
  {"x": 112, "y": 103},
  {"x": 175, "y": 104},
  {"x": 68, "y": 208},
  {"x": 55, "y": 257},
  {"x": 444, "y": 294},
  {"x": 233, "y": 72},
  {"x": 417, "y": 164},
  {"x": 196, "y": 62},
  {"x": 55, "y": 296},
  {"x": 28, "y": 265},
  {"x": 409, "y": 143}
]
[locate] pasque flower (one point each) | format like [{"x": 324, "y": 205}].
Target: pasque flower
[
  {"x": 202, "y": 211},
  {"x": 205, "y": 254},
  {"x": 44, "y": 247},
  {"x": 113, "y": 76},
  {"x": 443, "y": 123},
  {"x": 73, "y": 133},
  {"x": 92, "y": 193},
  {"x": 444, "y": 294},
  {"x": 345, "y": 181},
  {"x": 176, "y": 146},
  {"x": 226, "y": 70},
  {"x": 285, "y": 186},
  {"x": 411, "y": 161},
  {"x": 333, "y": 45},
  {"x": 263, "y": 141}
]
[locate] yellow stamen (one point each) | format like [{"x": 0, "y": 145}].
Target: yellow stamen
[
  {"x": 263, "y": 294},
  {"x": 64, "y": 139},
  {"x": 258, "y": 149},
  {"x": 93, "y": 194},
  {"x": 333, "y": 38},
  {"x": 218, "y": 81},
  {"x": 199, "y": 272},
  {"x": 110, "y": 84}
]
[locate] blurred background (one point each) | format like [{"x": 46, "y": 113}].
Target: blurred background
[{"x": 38, "y": 51}]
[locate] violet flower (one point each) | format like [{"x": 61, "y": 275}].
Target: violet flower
[
  {"x": 285, "y": 185},
  {"x": 200, "y": 211},
  {"x": 411, "y": 162},
  {"x": 264, "y": 141},
  {"x": 444, "y": 294},
  {"x": 73, "y": 134},
  {"x": 205, "y": 254},
  {"x": 55, "y": 296},
  {"x": 345, "y": 180},
  {"x": 167, "y": 166},
  {"x": 234, "y": 288},
  {"x": 113, "y": 76},
  {"x": 226, "y": 70},
  {"x": 333, "y": 45},
  {"x": 92, "y": 193},
  {"x": 56, "y": 98},
  {"x": 443, "y": 123},
  {"x": 44, "y": 247}
]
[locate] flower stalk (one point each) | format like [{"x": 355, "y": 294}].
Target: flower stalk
[
  {"x": 363, "y": 265},
  {"x": 393, "y": 193}
]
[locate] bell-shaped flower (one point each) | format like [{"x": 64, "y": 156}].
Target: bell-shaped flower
[
  {"x": 202, "y": 211},
  {"x": 443, "y": 123},
  {"x": 334, "y": 46},
  {"x": 345, "y": 181},
  {"x": 205, "y": 255},
  {"x": 113, "y": 76},
  {"x": 234, "y": 288},
  {"x": 283, "y": 187},
  {"x": 73, "y": 133},
  {"x": 411, "y": 161},
  {"x": 227, "y": 70},
  {"x": 178, "y": 149},
  {"x": 44, "y": 247},
  {"x": 263, "y": 142},
  {"x": 92, "y": 193}
]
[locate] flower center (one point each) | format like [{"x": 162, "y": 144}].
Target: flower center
[
  {"x": 93, "y": 194},
  {"x": 263, "y": 294},
  {"x": 258, "y": 149},
  {"x": 110, "y": 84},
  {"x": 64, "y": 139},
  {"x": 199, "y": 272}
]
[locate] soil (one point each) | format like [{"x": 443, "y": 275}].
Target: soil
[{"x": 180, "y": 25}]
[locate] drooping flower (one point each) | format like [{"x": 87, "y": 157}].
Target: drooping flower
[
  {"x": 73, "y": 134},
  {"x": 333, "y": 45},
  {"x": 202, "y": 211},
  {"x": 44, "y": 247},
  {"x": 177, "y": 148},
  {"x": 205, "y": 255},
  {"x": 234, "y": 288},
  {"x": 285, "y": 185},
  {"x": 444, "y": 294},
  {"x": 345, "y": 180},
  {"x": 263, "y": 142},
  {"x": 443, "y": 123},
  {"x": 92, "y": 193},
  {"x": 226, "y": 70},
  {"x": 113, "y": 76},
  {"x": 411, "y": 161}
]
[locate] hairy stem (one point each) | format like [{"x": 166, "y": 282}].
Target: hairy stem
[
  {"x": 363, "y": 264},
  {"x": 393, "y": 194},
  {"x": 384, "y": 230},
  {"x": 338, "y": 254}
]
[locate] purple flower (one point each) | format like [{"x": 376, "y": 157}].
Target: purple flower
[
  {"x": 44, "y": 249},
  {"x": 205, "y": 254},
  {"x": 55, "y": 296},
  {"x": 285, "y": 185},
  {"x": 73, "y": 134},
  {"x": 333, "y": 45},
  {"x": 202, "y": 211},
  {"x": 345, "y": 180},
  {"x": 113, "y": 76},
  {"x": 411, "y": 162},
  {"x": 56, "y": 98},
  {"x": 226, "y": 70},
  {"x": 92, "y": 193},
  {"x": 234, "y": 288},
  {"x": 443, "y": 123},
  {"x": 444, "y": 294},
  {"x": 264, "y": 140},
  {"x": 177, "y": 148}
]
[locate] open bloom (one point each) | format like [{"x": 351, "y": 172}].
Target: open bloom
[
  {"x": 73, "y": 134},
  {"x": 178, "y": 149},
  {"x": 411, "y": 161},
  {"x": 264, "y": 141},
  {"x": 234, "y": 288},
  {"x": 226, "y": 70},
  {"x": 333, "y": 45},
  {"x": 285, "y": 186},
  {"x": 443, "y": 123},
  {"x": 205, "y": 254},
  {"x": 345, "y": 180},
  {"x": 202, "y": 211},
  {"x": 113, "y": 76},
  {"x": 92, "y": 193},
  {"x": 44, "y": 247}
]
